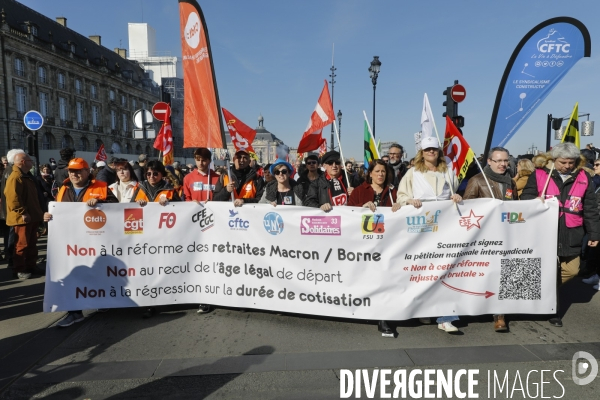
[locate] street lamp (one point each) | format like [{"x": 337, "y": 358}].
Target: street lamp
[
  {"x": 374, "y": 73},
  {"x": 339, "y": 115},
  {"x": 332, "y": 81}
]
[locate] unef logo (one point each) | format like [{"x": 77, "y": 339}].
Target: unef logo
[
  {"x": 168, "y": 219},
  {"x": 554, "y": 42},
  {"x": 134, "y": 221},
  {"x": 236, "y": 223},
  {"x": 192, "y": 30},
  {"x": 94, "y": 219},
  {"x": 372, "y": 224},
  {"x": 423, "y": 223},
  {"x": 513, "y": 218},
  {"x": 273, "y": 223},
  {"x": 204, "y": 218}
]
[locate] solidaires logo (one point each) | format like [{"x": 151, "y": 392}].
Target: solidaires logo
[
  {"x": 273, "y": 223},
  {"x": 192, "y": 30},
  {"x": 372, "y": 223}
]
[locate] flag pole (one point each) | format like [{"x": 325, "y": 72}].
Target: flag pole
[
  {"x": 229, "y": 173},
  {"x": 441, "y": 144},
  {"x": 371, "y": 133},
  {"x": 483, "y": 173},
  {"x": 547, "y": 182},
  {"x": 341, "y": 152}
]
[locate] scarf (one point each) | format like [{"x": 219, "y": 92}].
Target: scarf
[{"x": 504, "y": 178}]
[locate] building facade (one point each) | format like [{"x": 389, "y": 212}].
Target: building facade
[
  {"x": 265, "y": 144},
  {"x": 86, "y": 92}
]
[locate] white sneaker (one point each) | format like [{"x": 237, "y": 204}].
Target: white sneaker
[
  {"x": 24, "y": 275},
  {"x": 592, "y": 280},
  {"x": 448, "y": 327},
  {"x": 597, "y": 286},
  {"x": 425, "y": 321},
  {"x": 70, "y": 319}
]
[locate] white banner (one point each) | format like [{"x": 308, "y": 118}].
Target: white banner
[{"x": 484, "y": 256}]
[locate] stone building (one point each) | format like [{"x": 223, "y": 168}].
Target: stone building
[
  {"x": 86, "y": 92},
  {"x": 265, "y": 144}
]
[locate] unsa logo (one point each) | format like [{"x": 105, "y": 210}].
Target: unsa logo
[
  {"x": 192, "y": 30},
  {"x": 273, "y": 223}
]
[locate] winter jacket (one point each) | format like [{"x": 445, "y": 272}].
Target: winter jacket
[
  {"x": 240, "y": 178},
  {"x": 61, "y": 173},
  {"x": 108, "y": 175},
  {"x": 270, "y": 192},
  {"x": 44, "y": 188},
  {"x": 570, "y": 240},
  {"x": 151, "y": 193},
  {"x": 21, "y": 198},
  {"x": 5, "y": 176},
  {"x": 437, "y": 181},
  {"x": 478, "y": 189},
  {"x": 305, "y": 181},
  {"x": 365, "y": 193},
  {"x": 318, "y": 191},
  {"x": 68, "y": 195},
  {"x": 521, "y": 181}
]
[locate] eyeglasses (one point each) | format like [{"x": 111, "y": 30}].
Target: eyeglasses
[
  {"x": 430, "y": 150},
  {"x": 596, "y": 165},
  {"x": 500, "y": 161},
  {"x": 122, "y": 170},
  {"x": 338, "y": 162},
  {"x": 152, "y": 173},
  {"x": 281, "y": 171},
  {"x": 395, "y": 154},
  {"x": 311, "y": 163}
]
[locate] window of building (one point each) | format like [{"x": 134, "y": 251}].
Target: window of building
[
  {"x": 95, "y": 115},
  {"x": 111, "y": 95},
  {"x": 79, "y": 107},
  {"x": 42, "y": 75},
  {"x": 99, "y": 143},
  {"x": 113, "y": 119},
  {"x": 138, "y": 149},
  {"x": 61, "y": 80},
  {"x": 44, "y": 104},
  {"x": 72, "y": 47},
  {"x": 62, "y": 108},
  {"x": 128, "y": 148},
  {"x": 21, "y": 99},
  {"x": 124, "y": 120},
  {"x": 34, "y": 30},
  {"x": 78, "y": 87},
  {"x": 47, "y": 141},
  {"x": 94, "y": 91},
  {"x": 67, "y": 141},
  {"x": 19, "y": 67},
  {"x": 133, "y": 104},
  {"x": 123, "y": 100},
  {"x": 83, "y": 144},
  {"x": 116, "y": 148}
]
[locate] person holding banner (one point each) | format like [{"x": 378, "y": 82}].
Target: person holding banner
[
  {"x": 155, "y": 188},
  {"x": 126, "y": 183},
  {"x": 200, "y": 183},
  {"x": 430, "y": 180},
  {"x": 310, "y": 173},
  {"x": 283, "y": 190},
  {"x": 78, "y": 187},
  {"x": 578, "y": 216},
  {"x": 244, "y": 183},
  {"x": 331, "y": 188}
]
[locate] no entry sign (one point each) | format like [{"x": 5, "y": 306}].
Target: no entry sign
[
  {"x": 159, "y": 110},
  {"x": 458, "y": 93}
]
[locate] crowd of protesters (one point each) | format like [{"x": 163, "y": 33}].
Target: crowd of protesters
[{"x": 570, "y": 175}]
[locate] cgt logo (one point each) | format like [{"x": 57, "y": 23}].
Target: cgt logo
[
  {"x": 554, "y": 42},
  {"x": 204, "y": 218},
  {"x": 236, "y": 223},
  {"x": 168, "y": 219},
  {"x": 372, "y": 223},
  {"x": 94, "y": 219},
  {"x": 133, "y": 221},
  {"x": 513, "y": 218},
  {"x": 192, "y": 30}
]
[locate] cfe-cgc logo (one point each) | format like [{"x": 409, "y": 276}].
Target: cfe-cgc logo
[
  {"x": 273, "y": 223},
  {"x": 191, "y": 31},
  {"x": 423, "y": 223},
  {"x": 204, "y": 218},
  {"x": 513, "y": 218},
  {"x": 372, "y": 224},
  {"x": 94, "y": 219},
  {"x": 327, "y": 226},
  {"x": 133, "y": 221},
  {"x": 236, "y": 223}
]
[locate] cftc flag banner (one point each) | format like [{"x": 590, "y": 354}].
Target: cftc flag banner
[{"x": 485, "y": 257}]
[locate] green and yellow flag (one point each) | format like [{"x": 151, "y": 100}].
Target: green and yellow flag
[
  {"x": 371, "y": 152},
  {"x": 571, "y": 134}
]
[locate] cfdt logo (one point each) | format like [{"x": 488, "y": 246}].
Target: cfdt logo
[
  {"x": 423, "y": 223},
  {"x": 167, "y": 219},
  {"x": 133, "y": 221},
  {"x": 94, "y": 219},
  {"x": 554, "y": 42},
  {"x": 328, "y": 226},
  {"x": 204, "y": 218},
  {"x": 273, "y": 223},
  {"x": 513, "y": 218},
  {"x": 372, "y": 223},
  {"x": 236, "y": 223},
  {"x": 192, "y": 30}
]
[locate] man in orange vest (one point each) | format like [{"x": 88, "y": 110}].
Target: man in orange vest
[
  {"x": 78, "y": 187},
  {"x": 245, "y": 184}
]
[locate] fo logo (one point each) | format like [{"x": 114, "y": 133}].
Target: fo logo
[
  {"x": 167, "y": 219},
  {"x": 273, "y": 223},
  {"x": 134, "y": 221},
  {"x": 94, "y": 219},
  {"x": 192, "y": 30},
  {"x": 372, "y": 223}
]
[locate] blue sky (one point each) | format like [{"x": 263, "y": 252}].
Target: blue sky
[{"x": 271, "y": 57}]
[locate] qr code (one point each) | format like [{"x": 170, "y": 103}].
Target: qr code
[{"x": 520, "y": 279}]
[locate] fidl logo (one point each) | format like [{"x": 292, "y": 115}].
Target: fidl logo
[
  {"x": 372, "y": 224},
  {"x": 134, "y": 221},
  {"x": 423, "y": 223},
  {"x": 273, "y": 223},
  {"x": 513, "y": 218}
]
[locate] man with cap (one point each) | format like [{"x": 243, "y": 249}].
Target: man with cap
[
  {"x": 79, "y": 187},
  {"x": 330, "y": 189},
  {"x": 108, "y": 173},
  {"x": 244, "y": 183},
  {"x": 310, "y": 174},
  {"x": 200, "y": 183},
  {"x": 139, "y": 167},
  {"x": 60, "y": 173}
]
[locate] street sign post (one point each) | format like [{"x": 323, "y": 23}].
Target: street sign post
[
  {"x": 458, "y": 93},
  {"x": 159, "y": 110},
  {"x": 33, "y": 120},
  {"x": 142, "y": 119},
  {"x": 139, "y": 134}
]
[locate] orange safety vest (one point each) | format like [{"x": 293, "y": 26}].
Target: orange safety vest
[
  {"x": 95, "y": 190},
  {"x": 248, "y": 190},
  {"x": 141, "y": 195}
]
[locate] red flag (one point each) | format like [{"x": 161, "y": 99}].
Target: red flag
[
  {"x": 323, "y": 148},
  {"x": 164, "y": 139},
  {"x": 457, "y": 151},
  {"x": 101, "y": 154},
  {"x": 242, "y": 135},
  {"x": 321, "y": 117},
  {"x": 203, "y": 125}
]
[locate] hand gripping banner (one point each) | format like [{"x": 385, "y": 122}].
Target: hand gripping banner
[{"x": 542, "y": 58}]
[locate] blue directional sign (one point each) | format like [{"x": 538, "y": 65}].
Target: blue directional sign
[{"x": 33, "y": 120}]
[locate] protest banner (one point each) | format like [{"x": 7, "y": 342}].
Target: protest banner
[{"x": 484, "y": 256}]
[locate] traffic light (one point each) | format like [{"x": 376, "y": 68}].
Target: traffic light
[
  {"x": 459, "y": 121},
  {"x": 449, "y": 103}
]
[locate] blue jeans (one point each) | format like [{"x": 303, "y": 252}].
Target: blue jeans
[{"x": 451, "y": 318}]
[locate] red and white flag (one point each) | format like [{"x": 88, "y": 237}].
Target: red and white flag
[
  {"x": 457, "y": 152},
  {"x": 322, "y": 116},
  {"x": 323, "y": 148},
  {"x": 164, "y": 139},
  {"x": 101, "y": 154},
  {"x": 241, "y": 134}
]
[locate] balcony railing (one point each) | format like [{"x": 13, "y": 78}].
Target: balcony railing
[
  {"x": 66, "y": 123},
  {"x": 49, "y": 121},
  {"x": 83, "y": 127},
  {"x": 98, "y": 129}
]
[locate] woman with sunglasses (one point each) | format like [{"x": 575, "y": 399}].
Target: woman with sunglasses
[
  {"x": 430, "y": 180},
  {"x": 155, "y": 188},
  {"x": 126, "y": 183},
  {"x": 283, "y": 190}
]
